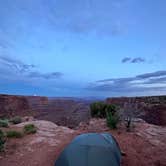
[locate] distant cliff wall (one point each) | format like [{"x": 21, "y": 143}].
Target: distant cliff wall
[
  {"x": 13, "y": 105},
  {"x": 152, "y": 109}
]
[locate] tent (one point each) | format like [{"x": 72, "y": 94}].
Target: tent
[{"x": 91, "y": 149}]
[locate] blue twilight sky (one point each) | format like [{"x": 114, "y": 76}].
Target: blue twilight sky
[{"x": 83, "y": 47}]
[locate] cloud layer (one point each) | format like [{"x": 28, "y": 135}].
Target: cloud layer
[
  {"x": 16, "y": 68},
  {"x": 78, "y": 16},
  {"x": 15, "y": 65},
  {"x": 53, "y": 75},
  {"x": 148, "y": 82}
]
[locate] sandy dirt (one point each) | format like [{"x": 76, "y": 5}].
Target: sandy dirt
[{"x": 144, "y": 146}]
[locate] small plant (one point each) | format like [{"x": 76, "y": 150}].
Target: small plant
[
  {"x": 112, "y": 120},
  {"x": 2, "y": 140},
  {"x": 97, "y": 109},
  {"x": 14, "y": 134},
  {"x": 4, "y": 123},
  {"x": 30, "y": 129},
  {"x": 128, "y": 123},
  {"x": 128, "y": 115},
  {"x": 16, "y": 120}
]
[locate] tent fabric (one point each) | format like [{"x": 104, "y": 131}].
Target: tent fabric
[{"x": 91, "y": 149}]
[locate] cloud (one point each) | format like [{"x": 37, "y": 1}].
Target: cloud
[
  {"x": 133, "y": 60},
  {"x": 138, "y": 60},
  {"x": 115, "y": 79},
  {"x": 153, "y": 74},
  {"x": 16, "y": 65},
  {"x": 126, "y": 59},
  {"x": 156, "y": 80},
  {"x": 16, "y": 68},
  {"x": 53, "y": 75},
  {"x": 148, "y": 82},
  {"x": 98, "y": 17},
  {"x": 78, "y": 16}
]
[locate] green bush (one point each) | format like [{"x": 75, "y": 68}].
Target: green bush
[
  {"x": 2, "y": 140},
  {"x": 4, "y": 123},
  {"x": 110, "y": 108},
  {"x": 16, "y": 120},
  {"x": 14, "y": 134},
  {"x": 30, "y": 129},
  {"x": 112, "y": 120},
  {"x": 100, "y": 109}
]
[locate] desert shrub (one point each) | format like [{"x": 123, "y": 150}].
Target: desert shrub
[
  {"x": 112, "y": 120},
  {"x": 30, "y": 129},
  {"x": 128, "y": 114},
  {"x": 100, "y": 109},
  {"x": 2, "y": 140},
  {"x": 128, "y": 121},
  {"x": 4, "y": 123},
  {"x": 14, "y": 134},
  {"x": 110, "y": 108},
  {"x": 16, "y": 120}
]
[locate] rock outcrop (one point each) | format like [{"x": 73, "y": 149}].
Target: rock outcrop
[
  {"x": 47, "y": 132},
  {"x": 39, "y": 149},
  {"x": 13, "y": 105},
  {"x": 151, "y": 109}
]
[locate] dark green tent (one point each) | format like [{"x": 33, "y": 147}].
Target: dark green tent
[{"x": 91, "y": 149}]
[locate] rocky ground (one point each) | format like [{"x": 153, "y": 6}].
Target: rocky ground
[
  {"x": 145, "y": 145},
  {"x": 38, "y": 149}
]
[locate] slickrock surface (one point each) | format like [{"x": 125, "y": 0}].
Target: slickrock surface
[
  {"x": 38, "y": 149},
  {"x": 145, "y": 145}
]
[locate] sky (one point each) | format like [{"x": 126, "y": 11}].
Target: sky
[{"x": 100, "y": 48}]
